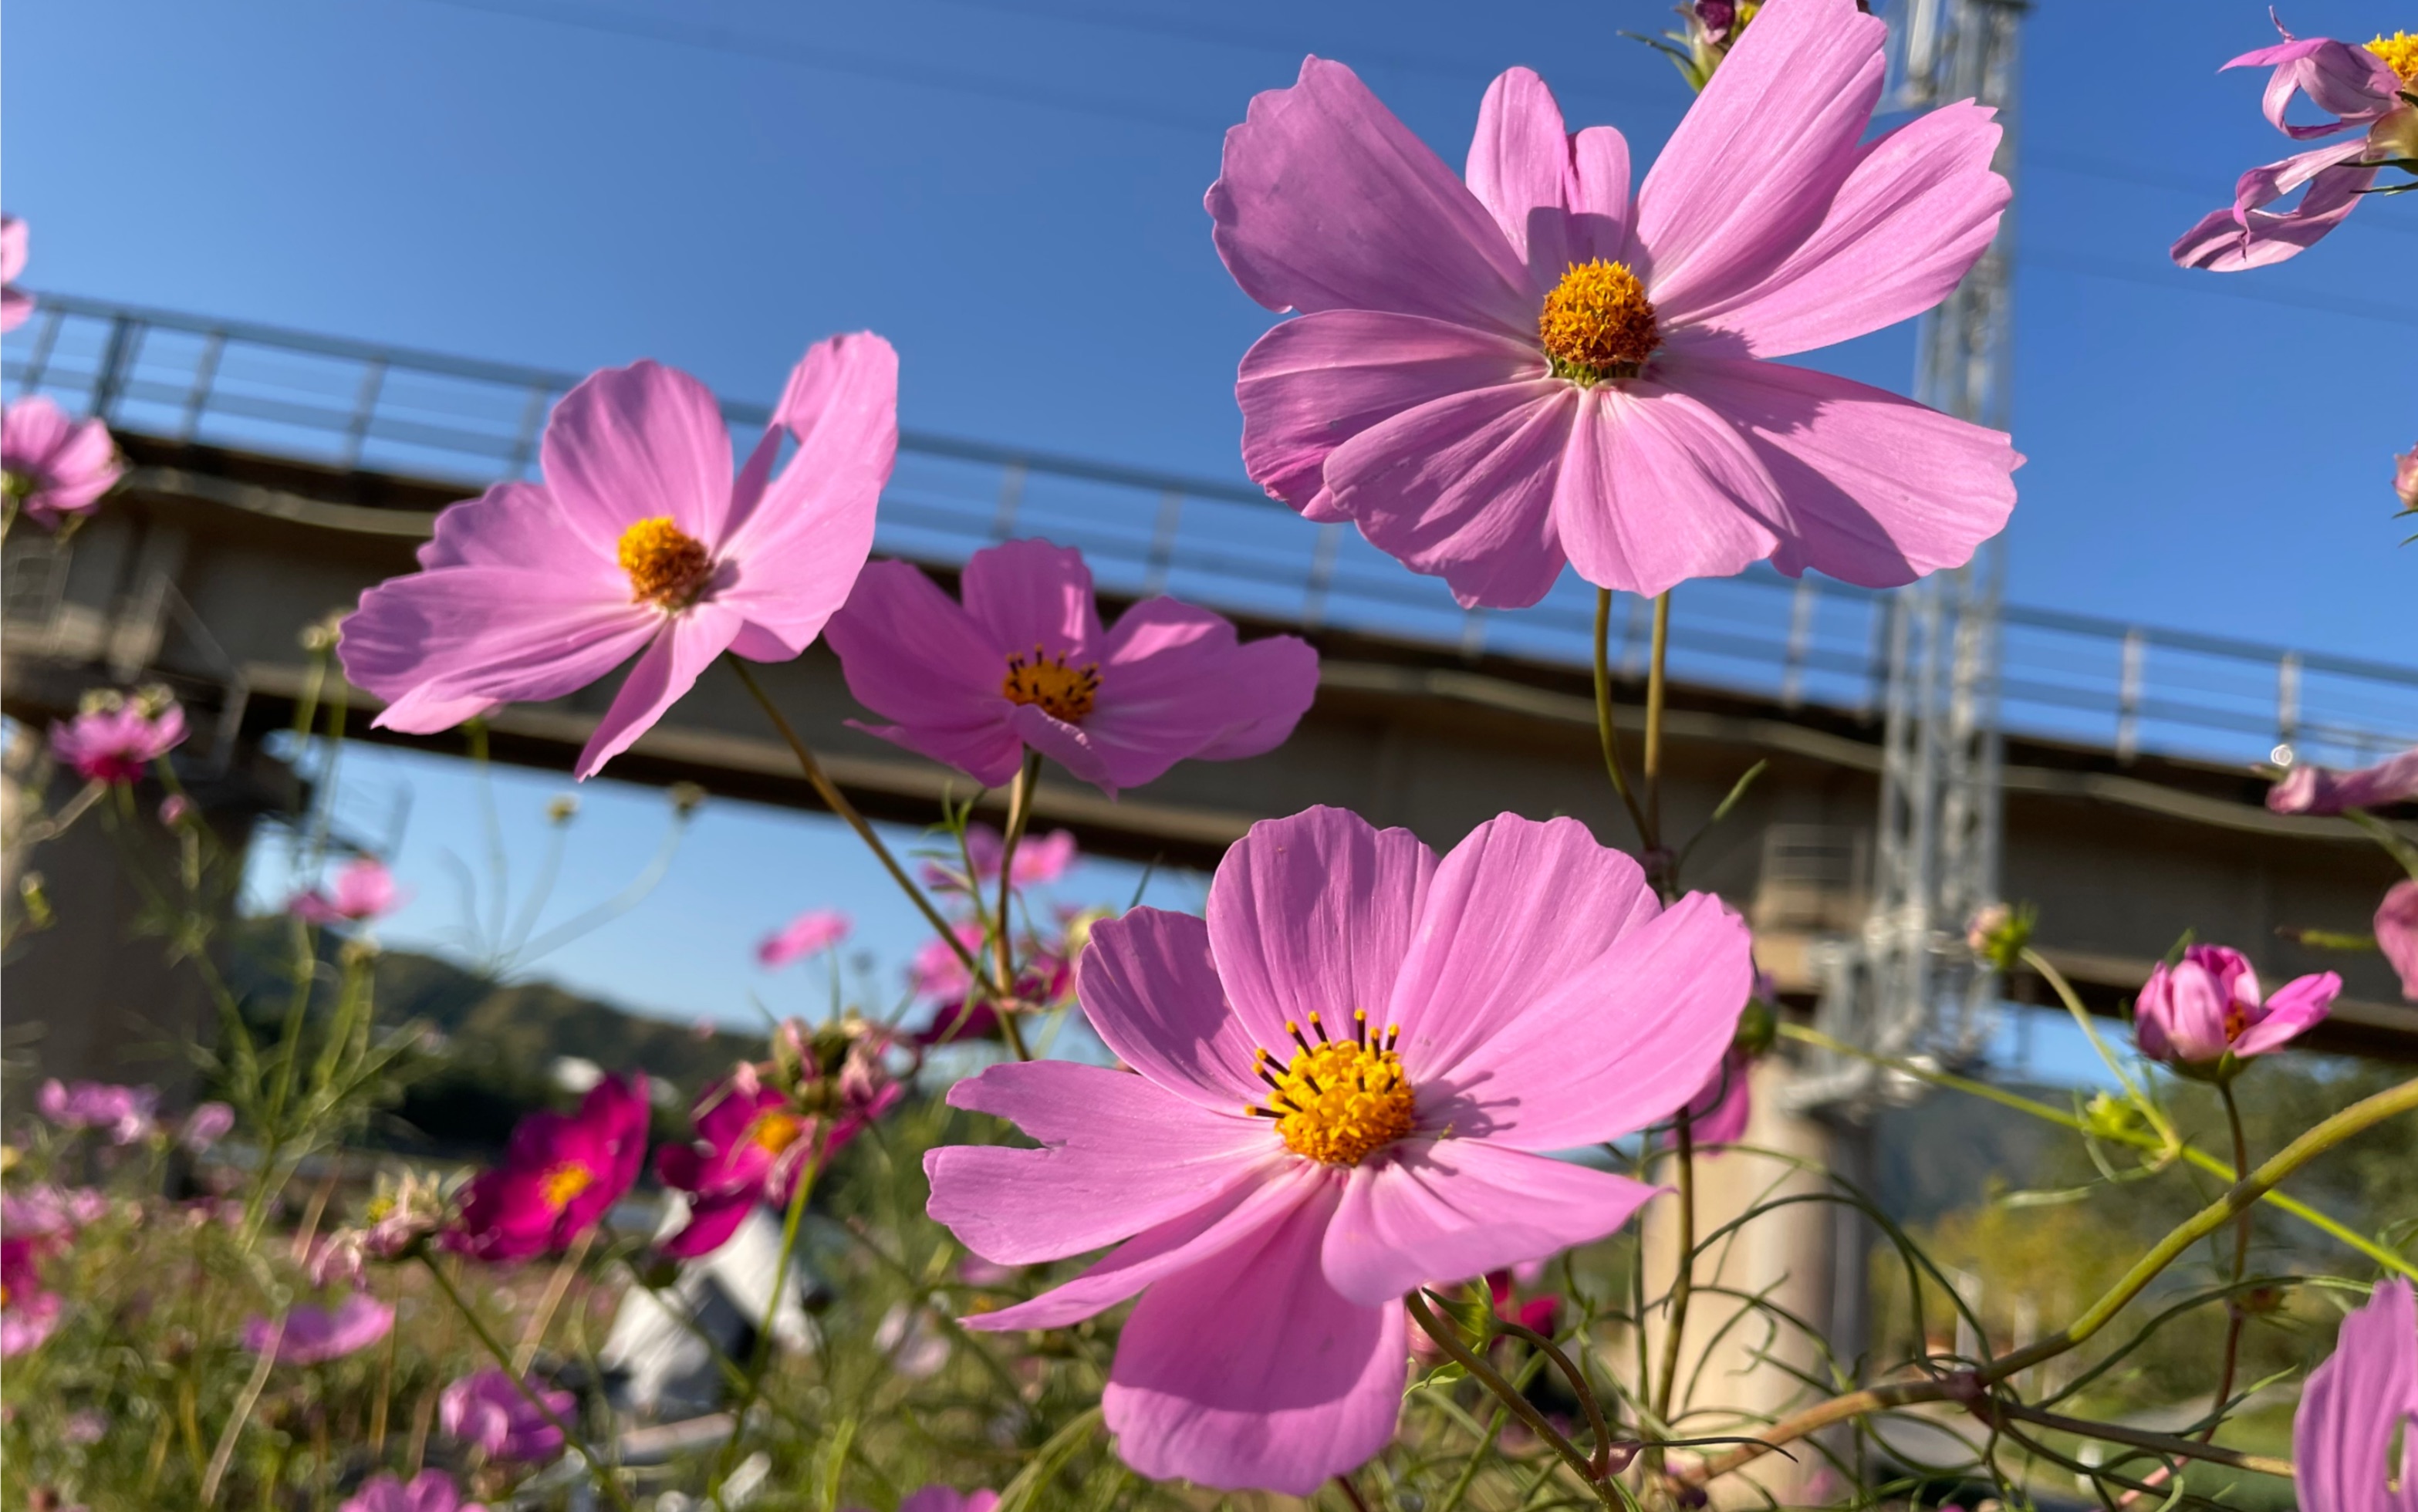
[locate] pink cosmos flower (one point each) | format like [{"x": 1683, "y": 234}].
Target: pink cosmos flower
[
  {"x": 1040, "y": 859},
  {"x": 44, "y": 1209},
  {"x": 2206, "y": 1007},
  {"x": 810, "y": 933},
  {"x": 28, "y": 1312},
  {"x": 125, "y": 1112},
  {"x": 51, "y": 467},
  {"x": 2405, "y": 478},
  {"x": 117, "y": 744},
  {"x": 16, "y": 306},
  {"x": 559, "y": 1177},
  {"x": 946, "y": 1499},
  {"x": 2396, "y": 933},
  {"x": 431, "y": 1491},
  {"x": 2310, "y": 788},
  {"x": 1347, "y": 1073},
  {"x": 937, "y": 972},
  {"x": 1718, "y": 1114},
  {"x": 753, "y": 1145},
  {"x": 1024, "y": 663},
  {"x": 364, "y": 890},
  {"x": 1493, "y": 377},
  {"x": 206, "y": 1125},
  {"x": 315, "y": 1336},
  {"x": 489, "y": 1410},
  {"x": 638, "y": 542},
  {"x": 2361, "y": 89},
  {"x": 2357, "y": 1405}
]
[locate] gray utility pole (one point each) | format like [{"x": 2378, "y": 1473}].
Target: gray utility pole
[{"x": 1908, "y": 986}]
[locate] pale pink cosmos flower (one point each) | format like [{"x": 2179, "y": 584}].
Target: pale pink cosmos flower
[
  {"x": 431, "y": 1491},
  {"x": 315, "y": 1336},
  {"x": 2310, "y": 788},
  {"x": 2396, "y": 933},
  {"x": 810, "y": 933},
  {"x": 2358, "y": 1406},
  {"x": 1023, "y": 662},
  {"x": 638, "y": 543},
  {"x": 1348, "y": 1074},
  {"x": 2405, "y": 478},
  {"x": 54, "y": 467},
  {"x": 1535, "y": 366},
  {"x": 206, "y": 1125},
  {"x": 1040, "y": 860},
  {"x": 119, "y": 743},
  {"x": 16, "y": 306},
  {"x": 125, "y": 1112},
  {"x": 938, "y": 972},
  {"x": 2206, "y": 1007},
  {"x": 44, "y": 1209},
  {"x": 2359, "y": 89},
  {"x": 488, "y": 1410},
  {"x": 364, "y": 890}
]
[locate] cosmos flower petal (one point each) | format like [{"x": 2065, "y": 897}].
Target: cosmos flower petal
[
  {"x": 1519, "y": 169},
  {"x": 1872, "y": 488},
  {"x": 14, "y": 239},
  {"x": 2355, "y": 1405},
  {"x": 2396, "y": 933},
  {"x": 1324, "y": 201},
  {"x": 637, "y": 443},
  {"x": 841, "y": 403},
  {"x": 1461, "y": 488},
  {"x": 671, "y": 666},
  {"x": 516, "y": 525},
  {"x": 504, "y": 633},
  {"x": 712, "y": 1218},
  {"x": 911, "y": 654},
  {"x": 2291, "y": 1010},
  {"x": 1314, "y": 912},
  {"x": 1285, "y": 670},
  {"x": 1752, "y": 169},
  {"x": 1185, "y": 685},
  {"x": 1027, "y": 593},
  {"x": 2310, "y": 789},
  {"x": 2248, "y": 236},
  {"x": 1656, "y": 488},
  {"x": 1310, "y": 1390},
  {"x": 1918, "y": 211},
  {"x": 1314, "y": 382},
  {"x": 1549, "y": 886},
  {"x": 1462, "y": 1207},
  {"x": 1150, "y": 990}
]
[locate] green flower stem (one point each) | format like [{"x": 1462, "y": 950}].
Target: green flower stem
[
  {"x": 1657, "y": 686},
  {"x": 1019, "y": 814},
  {"x": 1449, "y": 1339},
  {"x": 1682, "y": 1276},
  {"x": 1605, "y": 728},
  {"x": 597, "y": 1470},
  {"x": 2234, "y": 1315},
  {"x": 762, "y": 1354},
  {"x": 2072, "y": 1001},
  {"x": 2137, "y": 1438}
]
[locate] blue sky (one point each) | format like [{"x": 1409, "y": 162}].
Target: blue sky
[{"x": 1010, "y": 190}]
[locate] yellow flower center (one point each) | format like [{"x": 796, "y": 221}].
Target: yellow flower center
[
  {"x": 776, "y": 1131},
  {"x": 1061, "y": 691},
  {"x": 2399, "y": 53},
  {"x": 666, "y": 565},
  {"x": 1597, "y": 324},
  {"x": 563, "y": 1183},
  {"x": 1336, "y": 1101}
]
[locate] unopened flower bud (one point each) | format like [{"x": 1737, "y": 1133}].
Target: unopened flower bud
[
  {"x": 153, "y": 700},
  {"x": 37, "y": 901},
  {"x": 2405, "y": 478},
  {"x": 101, "y": 701},
  {"x": 175, "y": 809},
  {"x": 1999, "y": 934},
  {"x": 2111, "y": 1117},
  {"x": 562, "y": 808},
  {"x": 686, "y": 797},
  {"x": 319, "y": 636}
]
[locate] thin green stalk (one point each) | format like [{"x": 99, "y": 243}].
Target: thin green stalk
[
  {"x": 2072, "y": 1001},
  {"x": 2138, "y": 1439},
  {"x": 1683, "y": 1275},
  {"x": 1607, "y": 730},
  {"x": 2234, "y": 1314},
  {"x": 762, "y": 1355},
  {"x": 1019, "y": 814},
  {"x": 597, "y": 1470},
  {"x": 1657, "y": 685},
  {"x": 1510, "y": 1396}
]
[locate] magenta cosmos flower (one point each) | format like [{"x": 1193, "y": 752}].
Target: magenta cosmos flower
[
  {"x": 559, "y": 1177},
  {"x": 490, "y": 1411},
  {"x": 55, "y": 468},
  {"x": 16, "y": 306},
  {"x": 2206, "y": 1007},
  {"x": 125, "y": 1112},
  {"x": 2310, "y": 788},
  {"x": 638, "y": 543},
  {"x": 29, "y": 1312},
  {"x": 2396, "y": 933},
  {"x": 364, "y": 890},
  {"x": 117, "y": 742},
  {"x": 2362, "y": 89},
  {"x": 1040, "y": 860},
  {"x": 315, "y": 1336},
  {"x": 809, "y": 934},
  {"x": 2358, "y": 1406},
  {"x": 753, "y": 1145},
  {"x": 1023, "y": 662},
  {"x": 1536, "y": 366},
  {"x": 1349, "y": 1072},
  {"x": 431, "y": 1491}
]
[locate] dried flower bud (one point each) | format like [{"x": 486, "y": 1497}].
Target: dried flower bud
[
  {"x": 37, "y": 901},
  {"x": 101, "y": 701},
  {"x": 562, "y": 808},
  {"x": 686, "y": 797}
]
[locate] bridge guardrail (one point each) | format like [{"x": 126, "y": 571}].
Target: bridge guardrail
[{"x": 423, "y": 414}]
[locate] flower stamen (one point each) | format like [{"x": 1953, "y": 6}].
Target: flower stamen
[
  {"x": 562, "y": 1182},
  {"x": 666, "y": 565},
  {"x": 1061, "y": 691},
  {"x": 2399, "y": 53},
  {"x": 776, "y": 1131},
  {"x": 1597, "y": 324},
  {"x": 1336, "y": 1101}
]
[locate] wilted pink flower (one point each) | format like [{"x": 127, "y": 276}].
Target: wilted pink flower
[
  {"x": 1536, "y": 366},
  {"x": 1347, "y": 1073},
  {"x": 2359, "y": 89},
  {"x": 431, "y": 1491},
  {"x": 638, "y": 542},
  {"x": 364, "y": 890},
  {"x": 117, "y": 744},
  {"x": 2396, "y": 933},
  {"x": 2206, "y": 1007},
  {"x": 489, "y": 1410},
  {"x": 2310, "y": 789},
  {"x": 1023, "y": 662},
  {"x": 315, "y": 1336},
  {"x": 53, "y": 467},
  {"x": 753, "y": 1145},
  {"x": 125, "y": 1112},
  {"x": 2405, "y": 478},
  {"x": 28, "y": 1312},
  {"x": 1040, "y": 859},
  {"x": 206, "y": 1125},
  {"x": 810, "y": 933},
  {"x": 2358, "y": 1406},
  {"x": 16, "y": 305},
  {"x": 559, "y": 1177}
]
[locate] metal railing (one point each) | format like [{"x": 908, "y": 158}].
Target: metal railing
[{"x": 352, "y": 405}]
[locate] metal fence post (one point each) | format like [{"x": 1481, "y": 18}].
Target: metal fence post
[
  {"x": 2127, "y": 697},
  {"x": 1162, "y": 542}
]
